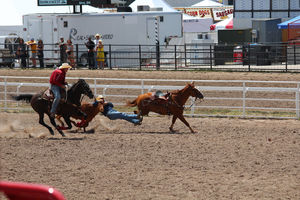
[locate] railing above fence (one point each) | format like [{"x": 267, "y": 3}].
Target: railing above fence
[
  {"x": 245, "y": 98},
  {"x": 195, "y": 56}
]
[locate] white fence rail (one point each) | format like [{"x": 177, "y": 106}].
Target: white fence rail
[{"x": 223, "y": 98}]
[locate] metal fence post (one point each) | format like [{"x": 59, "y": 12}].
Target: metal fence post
[
  {"x": 5, "y": 93},
  {"x": 110, "y": 56},
  {"x": 142, "y": 83},
  {"x": 210, "y": 57},
  {"x": 140, "y": 56},
  {"x": 157, "y": 42},
  {"x": 95, "y": 85},
  {"x": 244, "y": 99},
  {"x": 286, "y": 59},
  {"x": 249, "y": 58},
  {"x": 295, "y": 62},
  {"x": 28, "y": 57},
  {"x": 175, "y": 52},
  {"x": 185, "y": 62},
  {"x": 77, "y": 54},
  {"x": 297, "y": 101}
]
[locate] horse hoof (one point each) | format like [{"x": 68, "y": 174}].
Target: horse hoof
[
  {"x": 90, "y": 131},
  {"x": 51, "y": 132},
  {"x": 172, "y": 130}
]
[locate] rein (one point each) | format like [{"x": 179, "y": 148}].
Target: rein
[{"x": 186, "y": 108}]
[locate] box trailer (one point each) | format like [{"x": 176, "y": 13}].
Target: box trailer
[{"x": 123, "y": 29}]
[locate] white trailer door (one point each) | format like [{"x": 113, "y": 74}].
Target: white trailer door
[
  {"x": 33, "y": 29},
  {"x": 49, "y": 37},
  {"x": 150, "y": 30}
]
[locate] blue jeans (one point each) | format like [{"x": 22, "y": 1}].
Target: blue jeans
[
  {"x": 114, "y": 114},
  {"x": 56, "y": 90}
]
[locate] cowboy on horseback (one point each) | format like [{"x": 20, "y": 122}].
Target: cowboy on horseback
[{"x": 58, "y": 82}]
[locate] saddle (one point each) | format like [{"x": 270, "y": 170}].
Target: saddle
[
  {"x": 49, "y": 95},
  {"x": 160, "y": 98}
]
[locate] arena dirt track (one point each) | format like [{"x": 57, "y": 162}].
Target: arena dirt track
[{"x": 226, "y": 159}]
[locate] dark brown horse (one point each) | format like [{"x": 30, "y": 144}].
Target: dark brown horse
[
  {"x": 65, "y": 109},
  {"x": 174, "y": 105},
  {"x": 91, "y": 110}
]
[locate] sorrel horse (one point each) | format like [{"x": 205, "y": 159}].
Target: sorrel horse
[
  {"x": 173, "y": 105},
  {"x": 91, "y": 110},
  {"x": 65, "y": 109}
]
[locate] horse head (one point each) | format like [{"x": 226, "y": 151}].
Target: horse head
[
  {"x": 85, "y": 88},
  {"x": 81, "y": 87},
  {"x": 194, "y": 91}
]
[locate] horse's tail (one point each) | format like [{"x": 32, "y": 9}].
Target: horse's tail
[
  {"x": 131, "y": 103},
  {"x": 25, "y": 97}
]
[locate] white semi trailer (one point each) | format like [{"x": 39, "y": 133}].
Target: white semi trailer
[{"x": 123, "y": 29}]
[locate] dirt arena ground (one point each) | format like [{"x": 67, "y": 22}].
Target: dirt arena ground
[{"x": 227, "y": 158}]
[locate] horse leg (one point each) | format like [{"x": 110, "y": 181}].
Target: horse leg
[
  {"x": 58, "y": 117},
  {"x": 41, "y": 121},
  {"x": 52, "y": 120},
  {"x": 68, "y": 121},
  {"x": 186, "y": 123},
  {"x": 173, "y": 122}
]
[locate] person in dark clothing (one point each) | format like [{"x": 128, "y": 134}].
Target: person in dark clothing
[
  {"x": 113, "y": 114},
  {"x": 62, "y": 51},
  {"x": 22, "y": 53},
  {"x": 40, "y": 53},
  {"x": 90, "y": 45}
]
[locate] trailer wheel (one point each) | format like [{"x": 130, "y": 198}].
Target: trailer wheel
[{"x": 83, "y": 60}]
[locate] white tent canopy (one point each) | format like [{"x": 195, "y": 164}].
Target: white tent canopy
[
  {"x": 208, "y": 3},
  {"x": 152, "y": 4}
]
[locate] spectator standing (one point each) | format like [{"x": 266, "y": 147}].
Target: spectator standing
[
  {"x": 70, "y": 53},
  {"x": 100, "y": 55},
  {"x": 96, "y": 41},
  {"x": 62, "y": 50},
  {"x": 90, "y": 45},
  {"x": 33, "y": 47},
  {"x": 40, "y": 53},
  {"x": 22, "y": 53}
]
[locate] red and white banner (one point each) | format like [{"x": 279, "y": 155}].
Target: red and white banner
[
  {"x": 217, "y": 13},
  {"x": 197, "y": 12},
  {"x": 225, "y": 24},
  {"x": 222, "y": 13}
]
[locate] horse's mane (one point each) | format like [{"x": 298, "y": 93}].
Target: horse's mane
[
  {"x": 175, "y": 92},
  {"x": 75, "y": 84}
]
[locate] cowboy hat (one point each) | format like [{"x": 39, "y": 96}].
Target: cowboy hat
[
  {"x": 65, "y": 66},
  {"x": 98, "y": 35},
  {"x": 99, "y": 97}
]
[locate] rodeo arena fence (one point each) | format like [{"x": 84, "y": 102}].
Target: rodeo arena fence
[
  {"x": 222, "y": 98},
  {"x": 284, "y": 57}
]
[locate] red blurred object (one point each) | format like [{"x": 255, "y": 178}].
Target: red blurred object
[{"x": 27, "y": 191}]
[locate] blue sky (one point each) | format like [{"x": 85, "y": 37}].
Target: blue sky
[{"x": 12, "y": 10}]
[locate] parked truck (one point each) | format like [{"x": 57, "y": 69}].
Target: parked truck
[
  {"x": 8, "y": 48},
  {"x": 123, "y": 29}
]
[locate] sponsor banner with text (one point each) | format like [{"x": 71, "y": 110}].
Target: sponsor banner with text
[
  {"x": 222, "y": 13},
  {"x": 217, "y": 14},
  {"x": 197, "y": 12}
]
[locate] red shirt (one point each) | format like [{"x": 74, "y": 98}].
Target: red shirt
[{"x": 58, "y": 77}]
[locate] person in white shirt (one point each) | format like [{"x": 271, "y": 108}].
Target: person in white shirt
[{"x": 96, "y": 41}]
